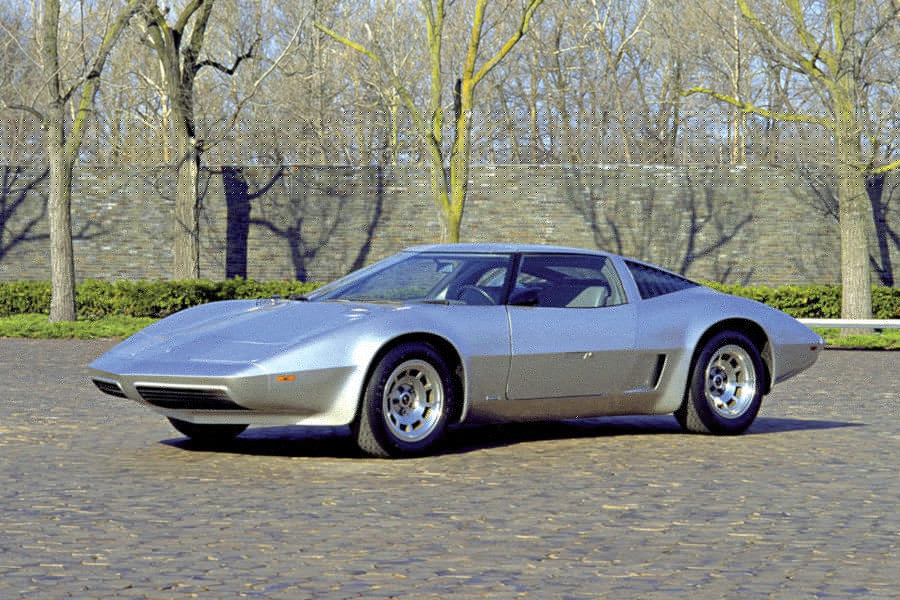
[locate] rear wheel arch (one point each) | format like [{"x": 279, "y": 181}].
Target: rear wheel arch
[
  {"x": 726, "y": 384},
  {"x": 754, "y": 332}
]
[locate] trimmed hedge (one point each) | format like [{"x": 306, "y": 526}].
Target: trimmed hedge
[
  {"x": 157, "y": 299},
  {"x": 154, "y": 299},
  {"x": 814, "y": 301}
]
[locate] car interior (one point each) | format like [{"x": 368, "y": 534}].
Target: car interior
[{"x": 542, "y": 281}]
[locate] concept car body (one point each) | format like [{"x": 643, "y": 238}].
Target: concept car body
[{"x": 444, "y": 334}]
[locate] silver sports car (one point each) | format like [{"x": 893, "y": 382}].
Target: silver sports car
[{"x": 438, "y": 335}]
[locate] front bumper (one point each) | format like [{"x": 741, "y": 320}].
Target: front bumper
[{"x": 321, "y": 397}]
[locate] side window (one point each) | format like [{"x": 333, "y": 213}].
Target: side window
[
  {"x": 653, "y": 282},
  {"x": 567, "y": 281}
]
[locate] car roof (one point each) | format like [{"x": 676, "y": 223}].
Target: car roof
[
  {"x": 502, "y": 248},
  {"x": 508, "y": 248}
]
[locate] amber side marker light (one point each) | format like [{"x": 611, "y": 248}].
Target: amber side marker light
[{"x": 283, "y": 378}]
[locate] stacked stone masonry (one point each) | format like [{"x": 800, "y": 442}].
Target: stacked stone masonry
[{"x": 752, "y": 225}]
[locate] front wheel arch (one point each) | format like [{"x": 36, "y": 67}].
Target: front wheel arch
[
  {"x": 408, "y": 402},
  {"x": 447, "y": 352}
]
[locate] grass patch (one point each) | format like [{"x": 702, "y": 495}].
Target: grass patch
[
  {"x": 37, "y": 326},
  {"x": 886, "y": 339}
]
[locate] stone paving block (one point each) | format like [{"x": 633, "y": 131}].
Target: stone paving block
[{"x": 102, "y": 499}]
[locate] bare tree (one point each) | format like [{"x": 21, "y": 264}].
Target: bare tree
[
  {"x": 449, "y": 193},
  {"x": 614, "y": 35},
  {"x": 179, "y": 50},
  {"x": 832, "y": 55},
  {"x": 64, "y": 117}
]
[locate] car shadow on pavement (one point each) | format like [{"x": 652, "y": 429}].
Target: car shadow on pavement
[
  {"x": 478, "y": 437},
  {"x": 289, "y": 441},
  {"x": 338, "y": 442}
]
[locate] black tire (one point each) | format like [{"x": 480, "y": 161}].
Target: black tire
[
  {"x": 725, "y": 390},
  {"x": 207, "y": 434},
  {"x": 407, "y": 403}
]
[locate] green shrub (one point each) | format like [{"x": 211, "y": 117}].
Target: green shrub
[
  {"x": 24, "y": 297},
  {"x": 154, "y": 299},
  {"x": 886, "y": 303},
  {"x": 814, "y": 301}
]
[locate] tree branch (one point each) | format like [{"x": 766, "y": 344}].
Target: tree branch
[
  {"x": 255, "y": 87},
  {"x": 348, "y": 43},
  {"x": 884, "y": 168},
  {"x": 195, "y": 45},
  {"x": 808, "y": 65},
  {"x": 186, "y": 15},
  {"x": 524, "y": 25},
  {"x": 749, "y": 108},
  {"x": 395, "y": 79},
  {"x": 893, "y": 13},
  {"x": 29, "y": 109},
  {"x": 228, "y": 70},
  {"x": 92, "y": 78}
]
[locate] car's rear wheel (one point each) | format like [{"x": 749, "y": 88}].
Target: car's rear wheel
[
  {"x": 725, "y": 391},
  {"x": 407, "y": 402},
  {"x": 207, "y": 434}
]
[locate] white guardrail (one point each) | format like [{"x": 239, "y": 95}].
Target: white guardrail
[{"x": 853, "y": 323}]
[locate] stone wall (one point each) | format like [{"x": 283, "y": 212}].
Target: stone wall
[{"x": 750, "y": 225}]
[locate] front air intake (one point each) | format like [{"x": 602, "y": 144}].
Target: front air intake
[
  {"x": 109, "y": 387},
  {"x": 187, "y": 398}
]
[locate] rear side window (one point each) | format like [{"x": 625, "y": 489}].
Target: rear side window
[{"x": 653, "y": 282}]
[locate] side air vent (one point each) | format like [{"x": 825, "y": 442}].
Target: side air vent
[
  {"x": 657, "y": 371},
  {"x": 109, "y": 387},
  {"x": 188, "y": 398}
]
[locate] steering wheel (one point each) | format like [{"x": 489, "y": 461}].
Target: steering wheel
[{"x": 475, "y": 288}]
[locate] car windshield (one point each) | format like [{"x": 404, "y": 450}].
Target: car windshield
[{"x": 451, "y": 278}]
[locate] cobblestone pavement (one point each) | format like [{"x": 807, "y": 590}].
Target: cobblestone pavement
[{"x": 101, "y": 498}]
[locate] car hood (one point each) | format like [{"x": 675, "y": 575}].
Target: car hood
[{"x": 229, "y": 334}]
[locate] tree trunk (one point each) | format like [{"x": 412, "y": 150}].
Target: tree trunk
[
  {"x": 460, "y": 160},
  {"x": 855, "y": 214},
  {"x": 186, "y": 258},
  {"x": 453, "y": 223},
  {"x": 179, "y": 66},
  {"x": 854, "y": 208},
  {"x": 440, "y": 192},
  {"x": 62, "y": 260}
]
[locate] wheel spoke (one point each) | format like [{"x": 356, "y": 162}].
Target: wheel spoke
[
  {"x": 413, "y": 400},
  {"x": 731, "y": 381}
]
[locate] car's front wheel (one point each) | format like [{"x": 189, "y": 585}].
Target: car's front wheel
[
  {"x": 207, "y": 434},
  {"x": 726, "y": 387},
  {"x": 407, "y": 402}
]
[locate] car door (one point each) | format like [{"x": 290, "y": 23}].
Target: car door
[{"x": 572, "y": 330}]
